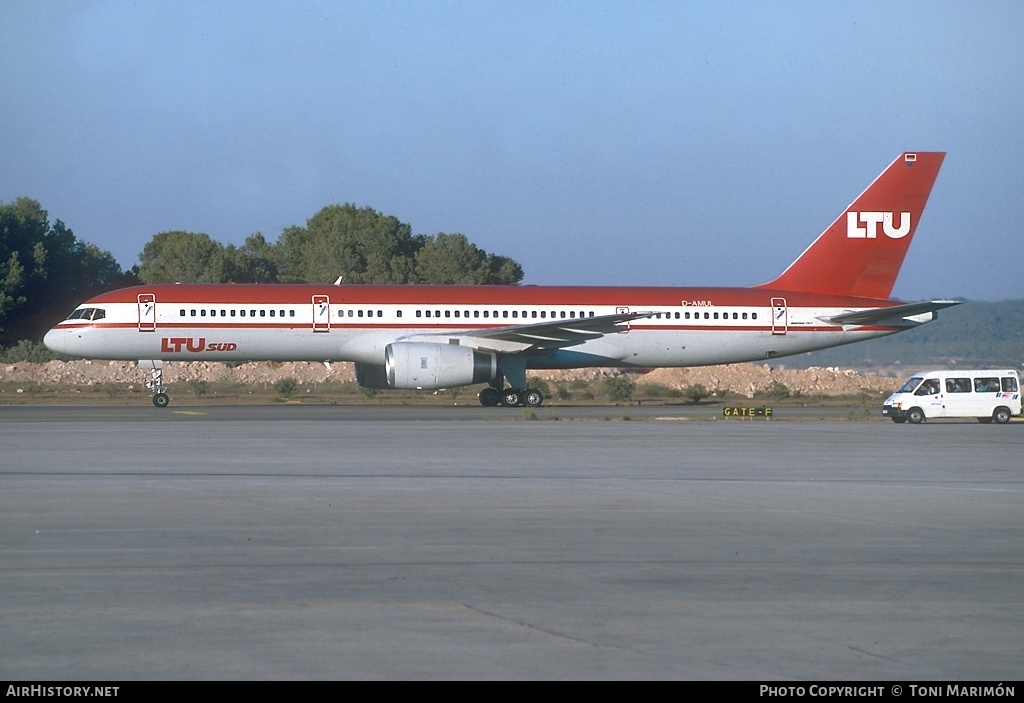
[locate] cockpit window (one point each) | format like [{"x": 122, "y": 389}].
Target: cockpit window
[{"x": 88, "y": 314}]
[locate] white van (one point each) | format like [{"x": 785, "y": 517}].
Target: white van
[{"x": 988, "y": 394}]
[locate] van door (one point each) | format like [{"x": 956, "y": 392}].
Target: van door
[{"x": 928, "y": 397}]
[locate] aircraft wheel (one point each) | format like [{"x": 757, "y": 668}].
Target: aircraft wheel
[
  {"x": 161, "y": 400},
  {"x": 532, "y": 398},
  {"x": 489, "y": 397},
  {"x": 916, "y": 416},
  {"x": 1001, "y": 416},
  {"x": 511, "y": 397}
]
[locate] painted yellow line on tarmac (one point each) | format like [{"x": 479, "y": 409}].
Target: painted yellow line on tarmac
[{"x": 189, "y": 412}]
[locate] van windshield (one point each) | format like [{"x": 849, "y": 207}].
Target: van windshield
[{"x": 910, "y": 385}]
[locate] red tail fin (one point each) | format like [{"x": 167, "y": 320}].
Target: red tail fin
[{"x": 861, "y": 253}]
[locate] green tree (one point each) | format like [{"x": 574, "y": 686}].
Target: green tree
[
  {"x": 776, "y": 390},
  {"x": 453, "y": 259},
  {"x": 359, "y": 244},
  {"x": 23, "y": 226},
  {"x": 183, "y": 257},
  {"x": 253, "y": 262},
  {"x": 619, "y": 388},
  {"x": 697, "y": 392},
  {"x": 46, "y": 271}
]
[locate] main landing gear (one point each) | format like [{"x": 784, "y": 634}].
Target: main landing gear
[
  {"x": 511, "y": 397},
  {"x": 512, "y": 369}
]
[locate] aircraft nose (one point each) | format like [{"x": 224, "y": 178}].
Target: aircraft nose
[{"x": 58, "y": 340}]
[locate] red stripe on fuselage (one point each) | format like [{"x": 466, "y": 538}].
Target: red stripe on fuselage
[{"x": 634, "y": 298}]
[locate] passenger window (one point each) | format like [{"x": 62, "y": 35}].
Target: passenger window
[
  {"x": 986, "y": 385},
  {"x": 958, "y": 385},
  {"x": 242, "y": 313},
  {"x": 1009, "y": 384}
]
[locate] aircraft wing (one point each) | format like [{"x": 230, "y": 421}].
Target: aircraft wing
[
  {"x": 897, "y": 314},
  {"x": 545, "y": 335}
]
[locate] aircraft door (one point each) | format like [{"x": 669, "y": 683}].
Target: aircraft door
[
  {"x": 321, "y": 313},
  {"x": 147, "y": 312},
  {"x": 780, "y": 316}
]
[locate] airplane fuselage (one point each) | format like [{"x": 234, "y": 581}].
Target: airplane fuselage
[
  {"x": 434, "y": 337},
  {"x": 685, "y": 326}
]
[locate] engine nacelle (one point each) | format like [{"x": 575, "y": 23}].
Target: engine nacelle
[{"x": 427, "y": 366}]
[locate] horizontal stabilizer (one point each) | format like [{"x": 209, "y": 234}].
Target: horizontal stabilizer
[{"x": 895, "y": 313}]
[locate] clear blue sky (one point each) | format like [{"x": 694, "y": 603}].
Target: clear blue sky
[{"x": 625, "y": 143}]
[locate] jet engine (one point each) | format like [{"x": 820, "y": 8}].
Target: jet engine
[{"x": 428, "y": 366}]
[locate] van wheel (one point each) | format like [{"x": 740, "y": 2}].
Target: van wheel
[
  {"x": 915, "y": 415},
  {"x": 1001, "y": 415}
]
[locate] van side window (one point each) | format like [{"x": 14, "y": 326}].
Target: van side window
[
  {"x": 958, "y": 385},
  {"x": 929, "y": 387},
  {"x": 986, "y": 385},
  {"x": 1009, "y": 384}
]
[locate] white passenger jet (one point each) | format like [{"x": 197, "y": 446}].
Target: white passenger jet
[{"x": 432, "y": 337}]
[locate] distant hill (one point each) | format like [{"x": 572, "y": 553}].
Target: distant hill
[{"x": 970, "y": 335}]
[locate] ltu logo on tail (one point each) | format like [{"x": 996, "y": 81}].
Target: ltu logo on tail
[{"x": 864, "y": 225}]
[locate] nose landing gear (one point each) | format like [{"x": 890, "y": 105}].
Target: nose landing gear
[{"x": 156, "y": 383}]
